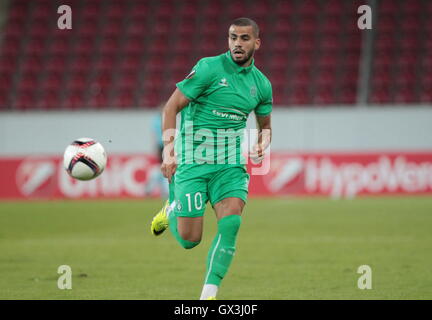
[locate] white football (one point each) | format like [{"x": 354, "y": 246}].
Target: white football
[{"x": 84, "y": 159}]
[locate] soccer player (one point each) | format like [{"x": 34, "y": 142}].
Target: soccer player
[{"x": 217, "y": 96}]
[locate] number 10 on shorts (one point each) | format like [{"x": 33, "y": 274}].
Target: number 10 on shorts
[{"x": 197, "y": 199}]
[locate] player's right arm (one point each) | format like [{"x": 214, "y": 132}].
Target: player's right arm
[
  {"x": 189, "y": 89},
  {"x": 174, "y": 105}
]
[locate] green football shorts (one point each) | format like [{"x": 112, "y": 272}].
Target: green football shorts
[{"x": 194, "y": 184}]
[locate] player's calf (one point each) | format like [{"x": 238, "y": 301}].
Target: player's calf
[{"x": 221, "y": 254}]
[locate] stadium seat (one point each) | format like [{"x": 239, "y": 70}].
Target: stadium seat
[
  {"x": 77, "y": 82},
  {"x": 119, "y": 48},
  {"x": 74, "y": 99},
  {"x": 125, "y": 99}
]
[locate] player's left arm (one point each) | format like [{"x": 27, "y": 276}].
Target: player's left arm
[
  {"x": 264, "y": 131},
  {"x": 263, "y": 118},
  {"x": 264, "y": 137}
]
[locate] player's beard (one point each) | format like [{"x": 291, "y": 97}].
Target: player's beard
[{"x": 247, "y": 56}]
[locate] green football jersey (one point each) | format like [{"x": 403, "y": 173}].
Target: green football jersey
[{"x": 222, "y": 94}]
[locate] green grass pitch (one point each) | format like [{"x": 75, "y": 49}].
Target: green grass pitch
[{"x": 306, "y": 248}]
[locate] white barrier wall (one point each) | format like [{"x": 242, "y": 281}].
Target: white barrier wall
[
  {"x": 294, "y": 129},
  {"x": 353, "y": 129}
]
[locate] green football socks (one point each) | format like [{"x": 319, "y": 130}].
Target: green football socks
[{"x": 222, "y": 249}]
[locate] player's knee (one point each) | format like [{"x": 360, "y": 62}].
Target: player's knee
[
  {"x": 235, "y": 222},
  {"x": 230, "y": 224},
  {"x": 229, "y": 206},
  {"x": 190, "y": 235},
  {"x": 187, "y": 244},
  {"x": 189, "y": 240}
]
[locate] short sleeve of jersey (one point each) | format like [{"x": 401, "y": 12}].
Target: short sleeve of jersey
[
  {"x": 197, "y": 81},
  {"x": 266, "y": 105}
]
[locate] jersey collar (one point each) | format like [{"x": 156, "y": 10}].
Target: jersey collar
[{"x": 236, "y": 67}]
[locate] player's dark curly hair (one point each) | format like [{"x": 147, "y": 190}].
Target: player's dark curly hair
[{"x": 244, "y": 22}]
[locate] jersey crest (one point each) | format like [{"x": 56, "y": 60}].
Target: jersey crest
[
  {"x": 223, "y": 82},
  {"x": 253, "y": 91}
]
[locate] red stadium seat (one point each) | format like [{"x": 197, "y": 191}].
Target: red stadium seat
[
  {"x": 85, "y": 45},
  {"x": 140, "y": 9},
  {"x": 412, "y": 6},
  {"x": 11, "y": 46},
  {"x": 119, "y": 48},
  {"x": 323, "y": 96},
  {"x": 405, "y": 94},
  {"x": 52, "y": 82},
  {"x": 387, "y": 23},
  {"x": 150, "y": 99},
  {"x": 5, "y": 82},
  {"x": 35, "y": 47},
  {"x": 380, "y": 95},
  {"x": 308, "y": 8},
  {"x": 307, "y": 25},
  {"x": 101, "y": 80},
  {"x": 426, "y": 96},
  {"x": 31, "y": 64},
  {"x": 187, "y": 28},
  {"x": 77, "y": 82},
  {"x": 299, "y": 96},
  {"x": 24, "y": 100},
  {"x": 99, "y": 99},
  {"x": 109, "y": 45},
  {"x": 277, "y": 61},
  {"x": 55, "y": 63},
  {"x": 87, "y": 27},
  {"x": 235, "y": 10},
  {"x": 4, "y": 100},
  {"x": 388, "y": 7},
  {"x": 116, "y": 10},
  {"x": 188, "y": 10},
  {"x": 426, "y": 81},
  {"x": 127, "y": 80},
  {"x": 164, "y": 10},
  {"x": 152, "y": 81},
  {"x": 131, "y": 63},
  {"x": 332, "y": 7},
  {"x": 259, "y": 10},
  {"x": 28, "y": 82},
  {"x": 155, "y": 64},
  {"x": 74, "y": 100},
  {"x": 124, "y": 99},
  {"x": 91, "y": 10},
  {"x": 331, "y": 25},
  {"x": 347, "y": 95},
  {"x": 49, "y": 99},
  {"x": 283, "y": 27},
  {"x": 20, "y": 11},
  {"x": 113, "y": 29},
  {"x": 81, "y": 63},
  {"x": 306, "y": 44},
  {"x": 15, "y": 28},
  {"x": 212, "y": 10},
  {"x": 284, "y": 8},
  {"x": 104, "y": 63}
]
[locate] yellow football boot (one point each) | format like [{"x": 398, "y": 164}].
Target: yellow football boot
[{"x": 160, "y": 221}]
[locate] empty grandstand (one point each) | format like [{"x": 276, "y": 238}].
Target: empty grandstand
[{"x": 129, "y": 54}]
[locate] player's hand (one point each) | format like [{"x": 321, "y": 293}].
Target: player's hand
[
  {"x": 257, "y": 154},
  {"x": 168, "y": 170}
]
